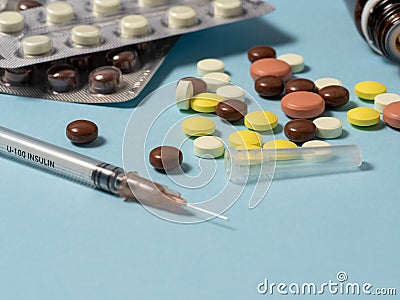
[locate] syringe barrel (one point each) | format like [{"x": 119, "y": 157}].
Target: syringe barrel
[{"x": 244, "y": 165}]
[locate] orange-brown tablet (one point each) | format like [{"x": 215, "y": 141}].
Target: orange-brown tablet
[
  {"x": 303, "y": 105},
  {"x": 391, "y": 115},
  {"x": 270, "y": 66}
]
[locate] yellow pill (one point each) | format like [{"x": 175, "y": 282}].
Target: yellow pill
[
  {"x": 368, "y": 90},
  {"x": 205, "y": 102},
  {"x": 281, "y": 144},
  {"x": 261, "y": 120},
  {"x": 245, "y": 137},
  {"x": 198, "y": 126},
  {"x": 248, "y": 147},
  {"x": 363, "y": 116}
]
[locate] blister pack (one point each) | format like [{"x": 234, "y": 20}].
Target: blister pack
[{"x": 68, "y": 28}]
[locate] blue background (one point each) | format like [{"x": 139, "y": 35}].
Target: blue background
[{"x": 60, "y": 240}]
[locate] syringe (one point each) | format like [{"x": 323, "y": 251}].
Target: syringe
[{"x": 92, "y": 172}]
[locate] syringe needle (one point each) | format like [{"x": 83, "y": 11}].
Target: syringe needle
[{"x": 206, "y": 211}]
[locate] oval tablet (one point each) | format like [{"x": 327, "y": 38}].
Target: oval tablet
[
  {"x": 391, "y": 114},
  {"x": 181, "y": 16},
  {"x": 231, "y": 92},
  {"x": 85, "y": 35},
  {"x": 295, "y": 61},
  {"x": 198, "y": 126},
  {"x": 232, "y": 110},
  {"x": 59, "y": 12},
  {"x": 11, "y": 22},
  {"x": 300, "y": 130},
  {"x": 335, "y": 95},
  {"x": 299, "y": 84},
  {"x": 328, "y": 127},
  {"x": 27, "y": 4},
  {"x": 134, "y": 26},
  {"x": 205, "y": 102},
  {"x": 106, "y": 7},
  {"x": 303, "y": 105},
  {"x": 36, "y": 45},
  {"x": 261, "y": 120},
  {"x": 215, "y": 80},
  {"x": 208, "y": 147},
  {"x": 269, "y": 86},
  {"x": 245, "y": 137},
  {"x": 227, "y": 8},
  {"x": 165, "y": 158},
  {"x": 368, "y": 90},
  {"x": 270, "y": 66},
  {"x": 184, "y": 92},
  {"x": 382, "y": 100},
  {"x": 259, "y": 52},
  {"x": 326, "y": 81},
  {"x": 209, "y": 65},
  {"x": 82, "y": 131},
  {"x": 363, "y": 116}
]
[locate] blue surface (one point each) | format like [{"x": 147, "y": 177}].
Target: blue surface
[{"x": 60, "y": 240}]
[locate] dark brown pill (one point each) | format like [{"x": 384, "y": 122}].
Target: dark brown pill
[
  {"x": 18, "y": 77},
  {"x": 199, "y": 85},
  {"x": 335, "y": 95},
  {"x": 232, "y": 110},
  {"x": 259, "y": 52},
  {"x": 165, "y": 158},
  {"x": 27, "y": 4},
  {"x": 298, "y": 85},
  {"x": 82, "y": 131},
  {"x": 63, "y": 78},
  {"x": 104, "y": 80},
  {"x": 269, "y": 86},
  {"x": 126, "y": 61},
  {"x": 300, "y": 130}
]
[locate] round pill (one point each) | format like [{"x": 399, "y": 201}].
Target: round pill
[
  {"x": 328, "y": 127},
  {"x": 215, "y": 80},
  {"x": 11, "y": 22},
  {"x": 151, "y": 3},
  {"x": 299, "y": 84},
  {"x": 199, "y": 85},
  {"x": 245, "y": 137},
  {"x": 63, "y": 78},
  {"x": 227, "y": 8},
  {"x": 269, "y": 86},
  {"x": 209, "y": 65},
  {"x": 36, "y": 45},
  {"x": 300, "y": 130},
  {"x": 126, "y": 60},
  {"x": 59, "y": 12},
  {"x": 363, "y": 116},
  {"x": 184, "y": 92},
  {"x": 304, "y": 105},
  {"x": 326, "y": 81},
  {"x": 181, "y": 17},
  {"x": 368, "y": 90},
  {"x": 104, "y": 80},
  {"x": 105, "y": 7},
  {"x": 208, "y": 147},
  {"x": 231, "y": 92},
  {"x": 270, "y": 66},
  {"x": 261, "y": 120},
  {"x": 205, "y": 102},
  {"x": 85, "y": 35},
  {"x": 391, "y": 114},
  {"x": 281, "y": 144},
  {"x": 18, "y": 76},
  {"x": 198, "y": 126},
  {"x": 82, "y": 131},
  {"x": 382, "y": 100},
  {"x": 335, "y": 95},
  {"x": 165, "y": 158},
  {"x": 231, "y": 110},
  {"x": 134, "y": 26},
  {"x": 315, "y": 143},
  {"x": 27, "y": 4},
  {"x": 259, "y": 52},
  {"x": 295, "y": 61}
]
